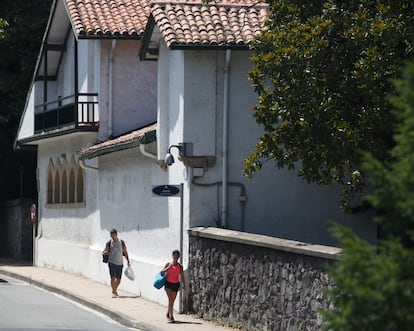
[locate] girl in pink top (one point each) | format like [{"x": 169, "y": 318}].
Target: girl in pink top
[{"x": 172, "y": 285}]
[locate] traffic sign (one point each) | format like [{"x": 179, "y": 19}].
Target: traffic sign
[{"x": 166, "y": 190}]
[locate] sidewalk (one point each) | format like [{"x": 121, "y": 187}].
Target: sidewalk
[{"x": 128, "y": 309}]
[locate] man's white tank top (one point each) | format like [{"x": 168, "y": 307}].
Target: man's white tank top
[{"x": 115, "y": 255}]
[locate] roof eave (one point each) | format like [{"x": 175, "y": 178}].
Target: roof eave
[
  {"x": 146, "y": 38},
  {"x": 243, "y": 47},
  {"x": 109, "y": 150},
  {"x": 145, "y": 138},
  {"x": 108, "y": 37},
  {"x": 53, "y": 134}
]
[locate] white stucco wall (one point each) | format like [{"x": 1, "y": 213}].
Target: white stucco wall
[
  {"x": 143, "y": 221},
  {"x": 66, "y": 224},
  {"x": 34, "y": 97},
  {"x": 171, "y": 132},
  {"x": 88, "y": 66},
  {"x": 26, "y": 126},
  {"x": 66, "y": 77},
  {"x": 278, "y": 203},
  {"x": 123, "y": 188},
  {"x": 131, "y": 92},
  {"x": 163, "y": 94},
  {"x": 190, "y": 109},
  {"x": 119, "y": 194}
]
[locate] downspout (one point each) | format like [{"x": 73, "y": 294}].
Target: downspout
[
  {"x": 110, "y": 76},
  {"x": 146, "y": 153},
  {"x": 225, "y": 138},
  {"x": 44, "y": 88},
  {"x": 86, "y": 167}
]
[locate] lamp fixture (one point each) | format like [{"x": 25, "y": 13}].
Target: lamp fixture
[
  {"x": 184, "y": 150},
  {"x": 169, "y": 158},
  {"x": 185, "y": 155}
]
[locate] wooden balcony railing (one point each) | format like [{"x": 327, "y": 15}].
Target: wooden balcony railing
[{"x": 79, "y": 110}]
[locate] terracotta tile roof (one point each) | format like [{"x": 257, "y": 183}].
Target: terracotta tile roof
[
  {"x": 112, "y": 18},
  {"x": 125, "y": 141},
  {"x": 216, "y": 24}
]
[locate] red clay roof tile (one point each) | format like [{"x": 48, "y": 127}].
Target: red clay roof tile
[
  {"x": 109, "y": 17},
  {"x": 127, "y": 141},
  {"x": 195, "y": 23}
]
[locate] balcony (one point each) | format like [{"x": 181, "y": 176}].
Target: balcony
[{"x": 74, "y": 111}]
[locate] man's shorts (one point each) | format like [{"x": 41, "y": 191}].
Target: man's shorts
[{"x": 115, "y": 270}]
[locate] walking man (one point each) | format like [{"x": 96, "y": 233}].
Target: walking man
[{"x": 116, "y": 249}]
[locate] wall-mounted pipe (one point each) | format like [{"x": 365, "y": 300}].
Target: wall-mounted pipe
[
  {"x": 146, "y": 153},
  {"x": 87, "y": 167},
  {"x": 225, "y": 137},
  {"x": 242, "y": 199},
  {"x": 110, "y": 84}
]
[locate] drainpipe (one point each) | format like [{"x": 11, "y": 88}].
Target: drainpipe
[
  {"x": 110, "y": 74},
  {"x": 87, "y": 167},
  {"x": 146, "y": 153},
  {"x": 225, "y": 138}
]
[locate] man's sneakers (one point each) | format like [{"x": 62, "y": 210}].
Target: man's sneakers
[{"x": 170, "y": 319}]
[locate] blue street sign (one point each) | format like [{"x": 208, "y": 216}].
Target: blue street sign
[{"x": 166, "y": 190}]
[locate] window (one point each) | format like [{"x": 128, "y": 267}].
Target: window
[
  {"x": 64, "y": 190},
  {"x": 72, "y": 186},
  {"x": 56, "y": 188},
  {"x": 65, "y": 183},
  {"x": 50, "y": 171},
  {"x": 79, "y": 187}
]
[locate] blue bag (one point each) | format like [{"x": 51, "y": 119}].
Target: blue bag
[{"x": 159, "y": 280}]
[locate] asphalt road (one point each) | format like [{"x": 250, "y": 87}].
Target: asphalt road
[{"x": 24, "y": 307}]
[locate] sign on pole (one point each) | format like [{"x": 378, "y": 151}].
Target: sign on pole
[
  {"x": 174, "y": 191},
  {"x": 166, "y": 190}
]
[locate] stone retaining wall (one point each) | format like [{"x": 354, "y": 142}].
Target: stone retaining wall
[{"x": 255, "y": 282}]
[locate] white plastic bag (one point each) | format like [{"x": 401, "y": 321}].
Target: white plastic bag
[{"x": 129, "y": 273}]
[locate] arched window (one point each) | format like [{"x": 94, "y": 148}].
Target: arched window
[
  {"x": 56, "y": 191},
  {"x": 79, "y": 186},
  {"x": 72, "y": 186},
  {"x": 65, "y": 183},
  {"x": 49, "y": 192},
  {"x": 64, "y": 190}
]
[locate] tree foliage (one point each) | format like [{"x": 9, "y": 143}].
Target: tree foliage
[
  {"x": 322, "y": 71},
  {"x": 375, "y": 284},
  {"x": 3, "y": 24},
  {"x": 394, "y": 180}
]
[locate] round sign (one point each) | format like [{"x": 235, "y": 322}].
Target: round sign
[
  {"x": 166, "y": 190},
  {"x": 33, "y": 213}
]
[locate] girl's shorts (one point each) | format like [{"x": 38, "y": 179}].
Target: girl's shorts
[{"x": 172, "y": 286}]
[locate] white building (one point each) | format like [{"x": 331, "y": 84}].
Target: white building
[{"x": 104, "y": 118}]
